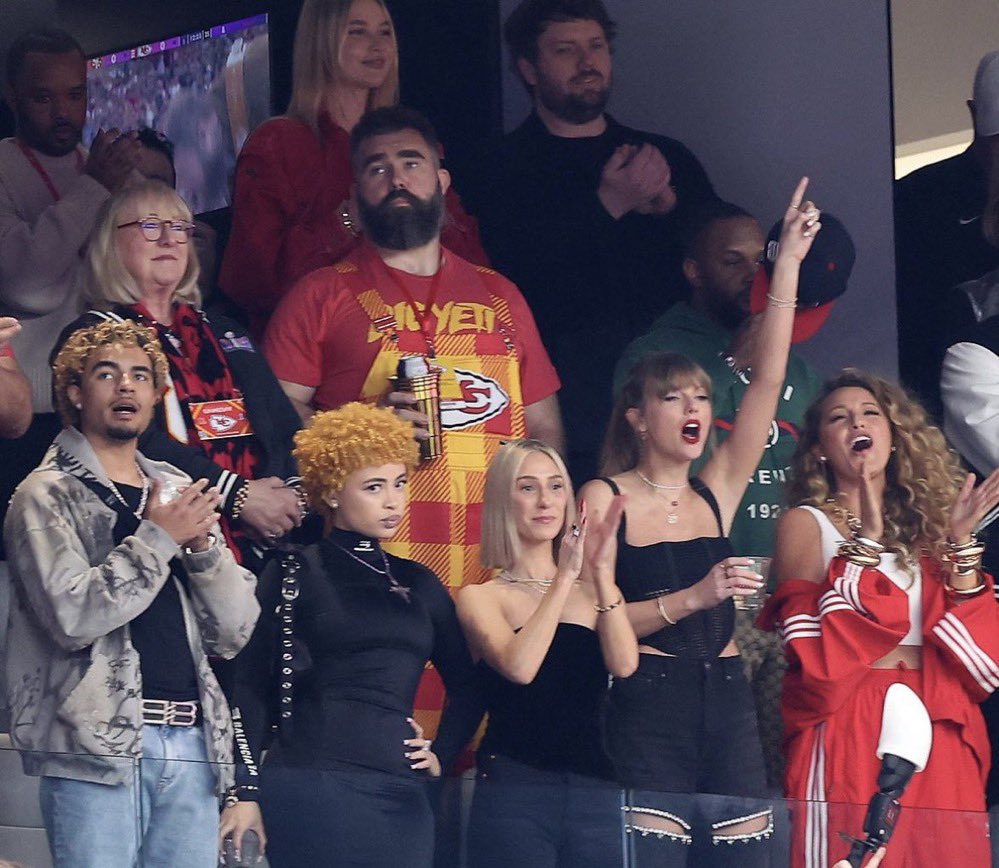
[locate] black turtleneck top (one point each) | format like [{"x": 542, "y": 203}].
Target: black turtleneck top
[{"x": 368, "y": 639}]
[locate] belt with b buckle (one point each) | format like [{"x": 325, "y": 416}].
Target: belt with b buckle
[{"x": 164, "y": 712}]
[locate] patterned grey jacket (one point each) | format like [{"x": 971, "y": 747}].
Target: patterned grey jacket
[{"x": 73, "y": 676}]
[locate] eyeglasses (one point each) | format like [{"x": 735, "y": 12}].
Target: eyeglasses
[{"x": 153, "y": 229}]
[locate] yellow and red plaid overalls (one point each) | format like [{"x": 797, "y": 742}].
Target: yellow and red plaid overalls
[{"x": 482, "y": 407}]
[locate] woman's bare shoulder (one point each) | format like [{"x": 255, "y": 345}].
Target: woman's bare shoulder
[{"x": 798, "y": 550}]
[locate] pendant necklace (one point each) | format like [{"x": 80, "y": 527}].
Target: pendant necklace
[
  {"x": 672, "y": 515},
  {"x": 137, "y": 512},
  {"x": 394, "y": 587}
]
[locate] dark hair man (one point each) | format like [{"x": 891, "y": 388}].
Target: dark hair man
[
  {"x": 582, "y": 212},
  {"x": 947, "y": 236},
  {"x": 50, "y": 192},
  {"x": 339, "y": 334},
  {"x": 123, "y": 587}
]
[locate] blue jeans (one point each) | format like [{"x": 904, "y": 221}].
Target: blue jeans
[{"x": 167, "y": 816}]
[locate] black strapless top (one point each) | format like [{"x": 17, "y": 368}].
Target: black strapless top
[
  {"x": 646, "y": 572},
  {"x": 553, "y": 722}
]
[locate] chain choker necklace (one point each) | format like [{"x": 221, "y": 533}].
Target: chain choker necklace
[
  {"x": 394, "y": 586},
  {"x": 672, "y": 515},
  {"x": 142, "y": 500},
  {"x": 542, "y": 586},
  {"x": 844, "y": 514}
]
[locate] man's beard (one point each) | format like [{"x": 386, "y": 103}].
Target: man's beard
[
  {"x": 395, "y": 227},
  {"x": 574, "y": 108}
]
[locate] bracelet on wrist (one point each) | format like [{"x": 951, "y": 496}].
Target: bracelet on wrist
[
  {"x": 233, "y": 793},
  {"x": 967, "y": 592},
  {"x": 239, "y": 500},
  {"x": 212, "y": 540},
  {"x": 600, "y": 610},
  {"x": 661, "y": 606},
  {"x": 781, "y": 303},
  {"x": 966, "y": 557}
]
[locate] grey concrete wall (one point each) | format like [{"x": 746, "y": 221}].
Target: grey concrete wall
[
  {"x": 935, "y": 50},
  {"x": 763, "y": 93}
]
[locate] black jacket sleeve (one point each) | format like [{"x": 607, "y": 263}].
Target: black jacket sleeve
[
  {"x": 465, "y": 703},
  {"x": 254, "y": 696}
]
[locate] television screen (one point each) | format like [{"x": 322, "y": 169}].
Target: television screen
[{"x": 205, "y": 91}]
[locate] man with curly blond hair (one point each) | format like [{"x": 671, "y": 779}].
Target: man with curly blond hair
[{"x": 122, "y": 589}]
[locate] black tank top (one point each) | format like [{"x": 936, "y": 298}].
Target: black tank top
[
  {"x": 553, "y": 722},
  {"x": 646, "y": 572}
]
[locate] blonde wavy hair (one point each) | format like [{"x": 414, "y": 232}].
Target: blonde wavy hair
[
  {"x": 315, "y": 60},
  {"x": 923, "y": 476},
  {"x": 335, "y": 443},
  {"x": 68, "y": 368},
  {"x": 106, "y": 282},
  {"x": 500, "y": 542}
]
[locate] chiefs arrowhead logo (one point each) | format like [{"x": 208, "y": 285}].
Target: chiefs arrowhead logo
[
  {"x": 221, "y": 424},
  {"x": 481, "y": 399}
]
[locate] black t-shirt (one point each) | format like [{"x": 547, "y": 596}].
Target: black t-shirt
[{"x": 160, "y": 637}]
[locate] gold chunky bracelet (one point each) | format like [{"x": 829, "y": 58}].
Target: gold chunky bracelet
[{"x": 239, "y": 500}]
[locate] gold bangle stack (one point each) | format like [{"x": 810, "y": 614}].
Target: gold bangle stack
[
  {"x": 861, "y": 551},
  {"x": 966, "y": 558}
]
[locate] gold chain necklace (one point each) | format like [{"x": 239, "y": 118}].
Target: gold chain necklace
[
  {"x": 672, "y": 514},
  {"x": 844, "y": 514}
]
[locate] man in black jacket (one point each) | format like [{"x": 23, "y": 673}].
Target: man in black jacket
[{"x": 581, "y": 212}]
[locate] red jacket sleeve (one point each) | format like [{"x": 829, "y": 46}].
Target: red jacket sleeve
[
  {"x": 833, "y": 631},
  {"x": 967, "y": 635},
  {"x": 285, "y": 214}
]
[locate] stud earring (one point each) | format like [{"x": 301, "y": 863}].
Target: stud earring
[
  {"x": 78, "y": 406},
  {"x": 893, "y": 449},
  {"x": 822, "y": 458}
]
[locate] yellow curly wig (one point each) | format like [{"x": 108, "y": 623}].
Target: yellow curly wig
[
  {"x": 923, "y": 475},
  {"x": 68, "y": 368},
  {"x": 335, "y": 443}
]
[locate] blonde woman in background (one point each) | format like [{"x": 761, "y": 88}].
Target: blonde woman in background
[{"x": 290, "y": 211}]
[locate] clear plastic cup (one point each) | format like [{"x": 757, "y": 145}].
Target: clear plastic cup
[{"x": 754, "y": 602}]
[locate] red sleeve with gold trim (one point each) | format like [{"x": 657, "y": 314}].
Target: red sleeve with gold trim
[
  {"x": 967, "y": 633},
  {"x": 833, "y": 631}
]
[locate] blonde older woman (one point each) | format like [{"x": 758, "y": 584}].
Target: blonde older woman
[
  {"x": 290, "y": 210},
  {"x": 224, "y": 417}
]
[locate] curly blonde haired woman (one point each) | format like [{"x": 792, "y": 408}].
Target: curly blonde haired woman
[
  {"x": 880, "y": 582},
  {"x": 344, "y": 782}
]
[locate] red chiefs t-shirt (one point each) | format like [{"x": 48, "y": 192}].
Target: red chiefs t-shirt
[{"x": 320, "y": 337}]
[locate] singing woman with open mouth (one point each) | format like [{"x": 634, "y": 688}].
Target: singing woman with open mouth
[
  {"x": 880, "y": 582},
  {"x": 685, "y": 722}
]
